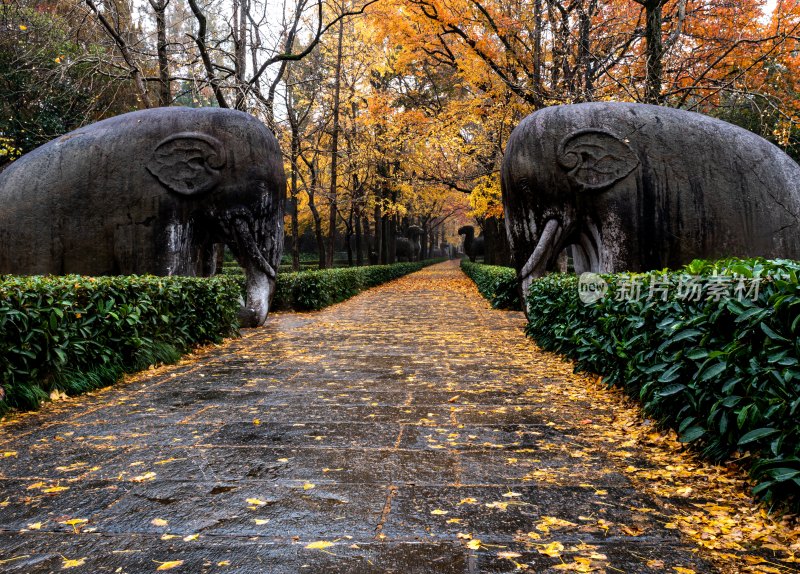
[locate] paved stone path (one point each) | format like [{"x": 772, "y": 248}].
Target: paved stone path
[{"x": 410, "y": 429}]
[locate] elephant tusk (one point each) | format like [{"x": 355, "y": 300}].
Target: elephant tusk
[
  {"x": 246, "y": 240},
  {"x": 549, "y": 237}
]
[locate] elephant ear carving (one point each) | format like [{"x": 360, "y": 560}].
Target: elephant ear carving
[
  {"x": 188, "y": 163},
  {"x": 596, "y": 159}
]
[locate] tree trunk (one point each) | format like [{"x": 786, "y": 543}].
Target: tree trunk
[
  {"x": 240, "y": 11},
  {"x": 537, "y": 47},
  {"x": 392, "y": 232},
  {"x": 335, "y": 148},
  {"x": 655, "y": 51},
  {"x": 294, "y": 155},
  {"x": 378, "y": 234},
  {"x": 164, "y": 89},
  {"x": 359, "y": 254}
]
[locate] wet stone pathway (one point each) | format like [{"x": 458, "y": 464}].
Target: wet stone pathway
[{"x": 410, "y": 429}]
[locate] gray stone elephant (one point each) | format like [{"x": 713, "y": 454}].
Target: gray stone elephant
[
  {"x": 474, "y": 247},
  {"x": 155, "y": 191},
  {"x": 634, "y": 187},
  {"x": 408, "y": 248}
]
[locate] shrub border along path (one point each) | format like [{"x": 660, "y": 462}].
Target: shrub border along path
[
  {"x": 72, "y": 334},
  {"x": 724, "y": 372}
]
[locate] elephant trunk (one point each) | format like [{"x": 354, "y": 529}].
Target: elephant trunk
[
  {"x": 260, "y": 283},
  {"x": 547, "y": 246}
]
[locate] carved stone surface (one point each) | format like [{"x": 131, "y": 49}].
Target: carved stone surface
[
  {"x": 633, "y": 187},
  {"x": 155, "y": 191}
]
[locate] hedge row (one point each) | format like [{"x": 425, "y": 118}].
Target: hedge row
[
  {"x": 312, "y": 290},
  {"x": 497, "y": 284},
  {"x": 720, "y": 363},
  {"x": 74, "y": 333}
]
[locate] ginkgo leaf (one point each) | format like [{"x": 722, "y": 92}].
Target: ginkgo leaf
[
  {"x": 319, "y": 545},
  {"x": 169, "y": 565},
  {"x": 469, "y": 501},
  {"x": 35, "y": 526},
  {"x": 260, "y": 521},
  {"x": 144, "y": 477},
  {"x": 439, "y": 511},
  {"x": 554, "y": 549},
  {"x": 509, "y": 555},
  {"x": 72, "y": 563},
  {"x": 474, "y": 544},
  {"x": 255, "y": 502},
  {"x": 681, "y": 570},
  {"x": 159, "y": 522},
  {"x": 308, "y": 486},
  {"x": 510, "y": 494},
  {"x": 55, "y": 489}
]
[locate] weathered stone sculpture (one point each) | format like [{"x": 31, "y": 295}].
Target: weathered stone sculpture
[
  {"x": 155, "y": 191},
  {"x": 473, "y": 246},
  {"x": 634, "y": 187},
  {"x": 409, "y": 248}
]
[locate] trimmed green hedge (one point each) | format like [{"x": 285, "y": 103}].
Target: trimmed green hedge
[
  {"x": 723, "y": 370},
  {"x": 497, "y": 284},
  {"x": 312, "y": 290},
  {"x": 75, "y": 333}
]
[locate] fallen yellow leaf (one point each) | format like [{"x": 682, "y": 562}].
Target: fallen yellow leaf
[
  {"x": 159, "y": 522},
  {"x": 72, "y": 563},
  {"x": 474, "y": 544},
  {"x": 308, "y": 486},
  {"x": 169, "y": 565},
  {"x": 55, "y": 489},
  {"x": 319, "y": 545},
  {"x": 191, "y": 538},
  {"x": 554, "y": 549},
  {"x": 144, "y": 477},
  {"x": 438, "y": 511}
]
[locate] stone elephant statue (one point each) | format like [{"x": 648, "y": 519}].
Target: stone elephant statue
[
  {"x": 635, "y": 187},
  {"x": 474, "y": 247},
  {"x": 155, "y": 191},
  {"x": 408, "y": 248}
]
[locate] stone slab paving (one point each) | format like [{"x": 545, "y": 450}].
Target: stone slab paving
[{"x": 410, "y": 429}]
